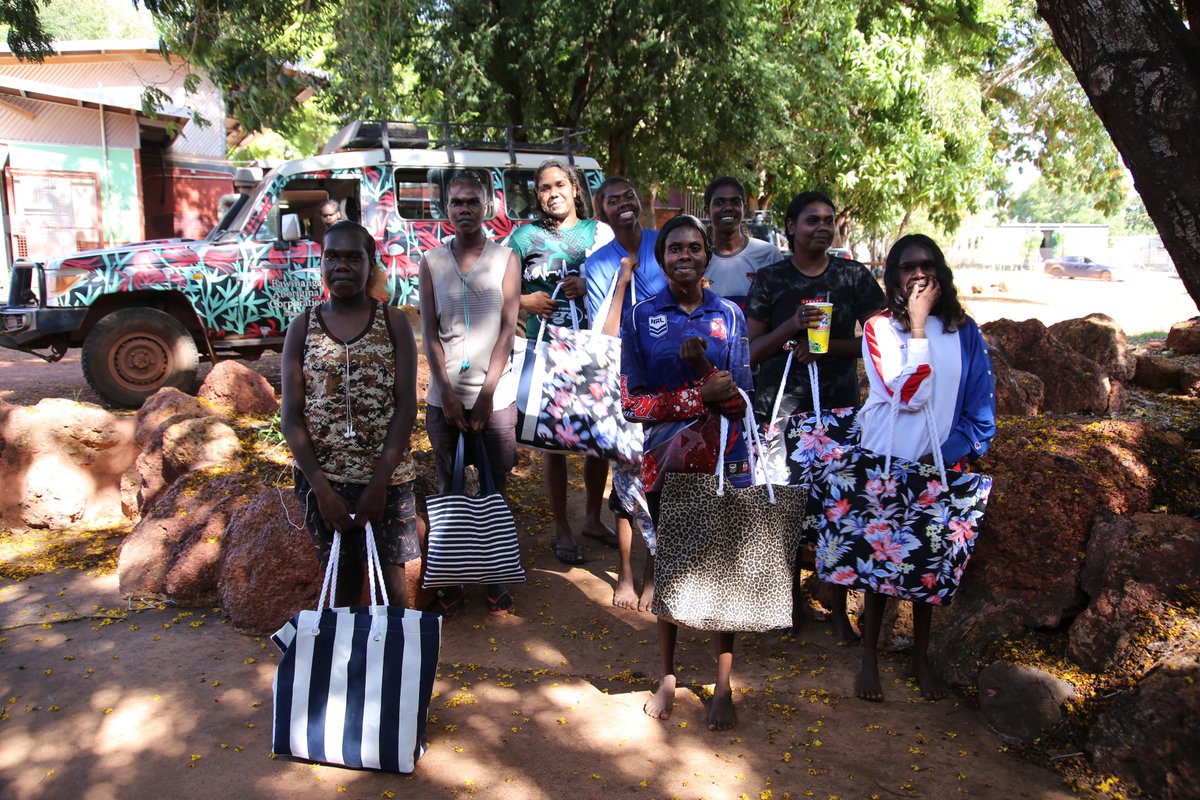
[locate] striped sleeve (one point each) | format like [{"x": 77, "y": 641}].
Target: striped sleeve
[{"x": 902, "y": 369}]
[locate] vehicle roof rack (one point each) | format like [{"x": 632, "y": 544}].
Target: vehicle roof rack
[{"x": 452, "y": 136}]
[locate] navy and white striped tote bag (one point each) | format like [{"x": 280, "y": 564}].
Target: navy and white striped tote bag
[
  {"x": 471, "y": 539},
  {"x": 354, "y": 684}
]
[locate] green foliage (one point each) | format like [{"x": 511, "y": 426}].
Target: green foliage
[
  {"x": 27, "y": 38},
  {"x": 1043, "y": 203},
  {"x": 900, "y": 111},
  {"x": 68, "y": 20}
]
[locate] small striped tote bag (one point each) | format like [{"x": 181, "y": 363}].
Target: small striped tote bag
[{"x": 471, "y": 539}]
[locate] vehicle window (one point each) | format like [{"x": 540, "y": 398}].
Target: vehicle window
[
  {"x": 417, "y": 195},
  {"x": 304, "y": 197},
  {"x": 520, "y": 197}
]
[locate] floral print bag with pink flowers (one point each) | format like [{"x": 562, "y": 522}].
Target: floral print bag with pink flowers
[
  {"x": 569, "y": 394},
  {"x": 898, "y": 527}
]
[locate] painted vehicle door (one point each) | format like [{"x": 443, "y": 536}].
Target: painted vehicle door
[{"x": 283, "y": 254}]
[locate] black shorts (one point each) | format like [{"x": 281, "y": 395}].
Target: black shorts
[{"x": 396, "y": 537}]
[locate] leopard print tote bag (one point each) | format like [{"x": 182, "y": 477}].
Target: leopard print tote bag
[{"x": 726, "y": 554}]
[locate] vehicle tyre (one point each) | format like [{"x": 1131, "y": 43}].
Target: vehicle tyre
[
  {"x": 132, "y": 353},
  {"x": 1106, "y": 276},
  {"x": 1056, "y": 272}
]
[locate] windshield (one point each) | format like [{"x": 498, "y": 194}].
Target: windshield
[
  {"x": 234, "y": 219},
  {"x": 231, "y": 220}
]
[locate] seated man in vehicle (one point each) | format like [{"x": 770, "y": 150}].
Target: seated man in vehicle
[{"x": 331, "y": 212}]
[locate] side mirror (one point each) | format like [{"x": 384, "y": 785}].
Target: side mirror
[{"x": 290, "y": 230}]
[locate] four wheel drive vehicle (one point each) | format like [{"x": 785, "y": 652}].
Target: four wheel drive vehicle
[
  {"x": 1077, "y": 267},
  {"x": 146, "y": 314}
]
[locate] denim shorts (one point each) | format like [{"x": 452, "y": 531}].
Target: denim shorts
[{"x": 396, "y": 537}]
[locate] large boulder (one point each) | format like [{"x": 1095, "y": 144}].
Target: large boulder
[
  {"x": 1020, "y": 702},
  {"x": 1149, "y": 735},
  {"x": 1184, "y": 337},
  {"x": 1162, "y": 374},
  {"x": 1018, "y": 393},
  {"x": 152, "y": 472},
  {"x": 269, "y": 568},
  {"x": 61, "y": 464},
  {"x": 1073, "y": 383},
  {"x": 173, "y": 553},
  {"x": 198, "y": 443},
  {"x": 1100, "y": 338},
  {"x": 1051, "y": 478},
  {"x": 1134, "y": 564},
  {"x": 240, "y": 389}
]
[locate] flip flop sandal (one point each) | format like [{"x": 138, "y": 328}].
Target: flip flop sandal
[
  {"x": 501, "y": 605},
  {"x": 449, "y": 603},
  {"x": 572, "y": 556}
]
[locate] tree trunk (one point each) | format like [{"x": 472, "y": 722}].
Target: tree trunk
[{"x": 1140, "y": 67}]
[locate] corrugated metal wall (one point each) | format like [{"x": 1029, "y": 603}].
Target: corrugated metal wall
[
  {"x": 127, "y": 80},
  {"x": 59, "y": 124}
]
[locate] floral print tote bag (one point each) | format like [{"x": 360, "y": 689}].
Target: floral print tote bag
[
  {"x": 898, "y": 527},
  {"x": 798, "y": 449},
  {"x": 569, "y": 394}
]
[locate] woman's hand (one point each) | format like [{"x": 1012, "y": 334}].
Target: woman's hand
[
  {"x": 371, "y": 504},
  {"x": 573, "y": 287},
  {"x": 693, "y": 352},
  {"x": 629, "y": 265},
  {"x": 539, "y": 304},
  {"x": 806, "y": 317},
  {"x": 334, "y": 510},
  {"x": 718, "y": 388},
  {"x": 452, "y": 410},
  {"x": 921, "y": 301},
  {"x": 481, "y": 414}
]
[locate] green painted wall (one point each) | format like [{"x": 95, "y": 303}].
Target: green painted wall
[{"x": 118, "y": 188}]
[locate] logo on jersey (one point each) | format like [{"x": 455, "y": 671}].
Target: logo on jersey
[
  {"x": 658, "y": 326},
  {"x": 717, "y": 330}
]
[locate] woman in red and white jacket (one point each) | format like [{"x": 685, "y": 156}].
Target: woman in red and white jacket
[{"x": 925, "y": 347}]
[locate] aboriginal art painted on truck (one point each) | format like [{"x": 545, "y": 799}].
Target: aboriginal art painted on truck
[{"x": 246, "y": 285}]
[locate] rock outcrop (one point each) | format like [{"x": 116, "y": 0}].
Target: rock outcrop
[
  {"x": 1149, "y": 735},
  {"x": 1073, "y": 383},
  {"x": 1051, "y": 481},
  {"x": 240, "y": 389},
  {"x": 1018, "y": 393},
  {"x": 174, "y": 552},
  {"x": 1020, "y": 702},
  {"x": 1099, "y": 338},
  {"x": 61, "y": 464},
  {"x": 1184, "y": 337},
  {"x": 268, "y": 565},
  {"x": 1162, "y": 374}
]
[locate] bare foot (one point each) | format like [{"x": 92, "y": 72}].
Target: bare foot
[
  {"x": 721, "y": 714},
  {"x": 662, "y": 701},
  {"x": 843, "y": 629},
  {"x": 866, "y": 685},
  {"x": 625, "y": 596},
  {"x": 647, "y": 598},
  {"x": 931, "y": 688}
]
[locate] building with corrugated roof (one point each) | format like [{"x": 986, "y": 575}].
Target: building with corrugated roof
[{"x": 85, "y": 166}]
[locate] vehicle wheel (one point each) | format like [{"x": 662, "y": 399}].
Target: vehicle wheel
[
  {"x": 1056, "y": 272},
  {"x": 132, "y": 353},
  {"x": 1106, "y": 276}
]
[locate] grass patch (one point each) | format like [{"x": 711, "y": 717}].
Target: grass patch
[{"x": 1145, "y": 338}]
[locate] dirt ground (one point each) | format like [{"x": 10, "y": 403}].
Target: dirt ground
[
  {"x": 537, "y": 705},
  {"x": 102, "y": 701}
]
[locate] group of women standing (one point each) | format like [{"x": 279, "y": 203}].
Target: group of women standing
[{"x": 689, "y": 357}]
